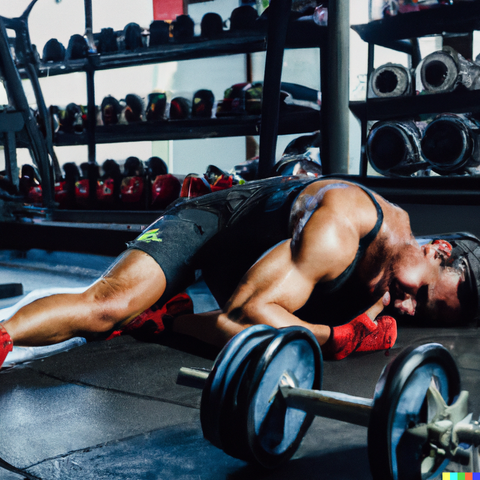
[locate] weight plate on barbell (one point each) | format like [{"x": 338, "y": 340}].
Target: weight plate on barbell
[
  {"x": 400, "y": 402},
  {"x": 223, "y": 374},
  {"x": 274, "y": 430},
  {"x": 234, "y": 409}
]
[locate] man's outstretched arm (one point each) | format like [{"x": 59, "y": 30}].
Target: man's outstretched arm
[
  {"x": 269, "y": 293},
  {"x": 216, "y": 328}
]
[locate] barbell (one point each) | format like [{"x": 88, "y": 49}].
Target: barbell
[{"x": 263, "y": 393}]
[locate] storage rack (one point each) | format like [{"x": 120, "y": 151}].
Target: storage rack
[
  {"x": 401, "y": 32},
  {"x": 282, "y": 32},
  {"x": 435, "y": 204},
  {"x": 230, "y": 43}
]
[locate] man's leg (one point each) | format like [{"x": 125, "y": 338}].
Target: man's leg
[{"x": 132, "y": 285}]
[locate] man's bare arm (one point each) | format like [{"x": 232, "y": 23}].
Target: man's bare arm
[{"x": 282, "y": 281}]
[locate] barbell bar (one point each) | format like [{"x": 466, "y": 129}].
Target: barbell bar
[
  {"x": 259, "y": 400},
  {"x": 321, "y": 403}
]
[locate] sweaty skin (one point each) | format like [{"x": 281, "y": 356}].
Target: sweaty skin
[
  {"x": 394, "y": 268},
  {"x": 282, "y": 281}
]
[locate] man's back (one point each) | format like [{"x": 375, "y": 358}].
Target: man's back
[{"x": 280, "y": 216}]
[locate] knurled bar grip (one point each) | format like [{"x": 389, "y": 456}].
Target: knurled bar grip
[{"x": 338, "y": 406}]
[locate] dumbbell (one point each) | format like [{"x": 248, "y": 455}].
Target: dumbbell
[
  {"x": 53, "y": 51},
  {"x": 263, "y": 393}
]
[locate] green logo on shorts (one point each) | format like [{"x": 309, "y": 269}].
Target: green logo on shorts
[{"x": 150, "y": 236}]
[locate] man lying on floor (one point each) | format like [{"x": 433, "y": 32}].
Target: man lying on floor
[{"x": 324, "y": 253}]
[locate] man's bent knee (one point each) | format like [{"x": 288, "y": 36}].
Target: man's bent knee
[
  {"x": 131, "y": 286},
  {"x": 105, "y": 308}
]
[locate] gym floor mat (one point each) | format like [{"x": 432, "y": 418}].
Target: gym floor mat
[{"x": 112, "y": 410}]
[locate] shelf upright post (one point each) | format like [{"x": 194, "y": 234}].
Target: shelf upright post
[
  {"x": 18, "y": 99},
  {"x": 91, "y": 113},
  {"x": 335, "y": 90},
  {"x": 364, "y": 120},
  {"x": 278, "y": 17},
  {"x": 90, "y": 72},
  {"x": 416, "y": 55}
]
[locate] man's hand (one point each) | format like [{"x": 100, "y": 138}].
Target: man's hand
[{"x": 363, "y": 334}]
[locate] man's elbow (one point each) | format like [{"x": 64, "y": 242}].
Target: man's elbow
[
  {"x": 250, "y": 313},
  {"x": 226, "y": 328}
]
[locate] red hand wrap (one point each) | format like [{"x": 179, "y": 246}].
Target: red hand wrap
[
  {"x": 6, "y": 344},
  {"x": 361, "y": 335},
  {"x": 383, "y": 338}
]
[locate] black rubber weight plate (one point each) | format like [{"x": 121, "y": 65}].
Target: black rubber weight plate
[
  {"x": 399, "y": 403},
  {"x": 274, "y": 430},
  {"x": 228, "y": 361},
  {"x": 234, "y": 408}
]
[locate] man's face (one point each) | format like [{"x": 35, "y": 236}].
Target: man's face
[{"x": 422, "y": 287}]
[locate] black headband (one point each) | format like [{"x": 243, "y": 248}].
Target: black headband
[{"x": 469, "y": 290}]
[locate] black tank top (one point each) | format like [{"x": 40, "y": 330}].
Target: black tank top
[
  {"x": 255, "y": 218},
  {"x": 362, "y": 247}
]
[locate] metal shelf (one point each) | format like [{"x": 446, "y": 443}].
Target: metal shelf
[
  {"x": 461, "y": 17},
  {"x": 401, "y": 32},
  {"x": 289, "y": 123},
  {"x": 423, "y": 190},
  {"x": 412, "y": 106},
  {"x": 301, "y": 34}
]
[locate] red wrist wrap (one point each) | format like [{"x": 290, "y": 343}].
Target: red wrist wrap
[
  {"x": 361, "y": 335},
  {"x": 383, "y": 338}
]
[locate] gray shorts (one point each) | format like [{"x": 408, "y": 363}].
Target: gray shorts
[
  {"x": 222, "y": 234},
  {"x": 173, "y": 241}
]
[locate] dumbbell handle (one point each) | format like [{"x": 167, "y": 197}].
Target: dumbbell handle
[
  {"x": 338, "y": 406},
  {"x": 468, "y": 433}
]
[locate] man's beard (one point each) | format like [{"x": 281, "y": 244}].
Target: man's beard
[{"x": 388, "y": 282}]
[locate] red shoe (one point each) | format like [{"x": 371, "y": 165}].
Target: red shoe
[
  {"x": 150, "y": 323},
  {"x": 6, "y": 344}
]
